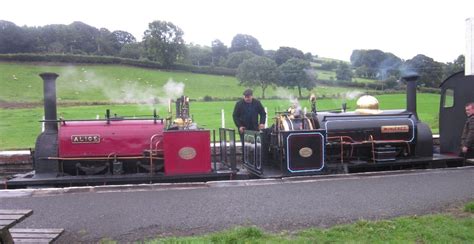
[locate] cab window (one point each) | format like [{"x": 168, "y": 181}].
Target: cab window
[{"x": 448, "y": 98}]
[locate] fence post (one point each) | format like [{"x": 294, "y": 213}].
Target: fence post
[{"x": 222, "y": 119}]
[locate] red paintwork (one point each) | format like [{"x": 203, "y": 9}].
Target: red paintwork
[
  {"x": 122, "y": 137},
  {"x": 198, "y": 140}
]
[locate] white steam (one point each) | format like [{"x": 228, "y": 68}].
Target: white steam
[
  {"x": 138, "y": 91},
  {"x": 171, "y": 90},
  {"x": 293, "y": 101},
  {"x": 351, "y": 95}
]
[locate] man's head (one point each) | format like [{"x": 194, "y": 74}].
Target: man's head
[
  {"x": 470, "y": 109},
  {"x": 248, "y": 95}
]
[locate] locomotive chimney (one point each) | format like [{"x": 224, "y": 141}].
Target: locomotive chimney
[
  {"x": 49, "y": 92},
  {"x": 411, "y": 92}
]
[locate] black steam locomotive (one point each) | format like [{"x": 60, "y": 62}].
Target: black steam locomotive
[{"x": 340, "y": 141}]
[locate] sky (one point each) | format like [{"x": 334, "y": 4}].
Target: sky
[{"x": 330, "y": 28}]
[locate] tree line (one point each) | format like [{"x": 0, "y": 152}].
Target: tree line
[{"x": 163, "y": 42}]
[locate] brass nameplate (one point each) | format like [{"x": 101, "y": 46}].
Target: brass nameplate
[
  {"x": 395, "y": 129},
  {"x": 187, "y": 153},
  {"x": 75, "y": 139},
  {"x": 306, "y": 152}
]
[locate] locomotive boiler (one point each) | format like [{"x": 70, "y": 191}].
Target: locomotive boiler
[{"x": 325, "y": 142}]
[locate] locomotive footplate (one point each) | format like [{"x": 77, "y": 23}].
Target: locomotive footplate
[
  {"x": 437, "y": 161},
  {"x": 27, "y": 180}
]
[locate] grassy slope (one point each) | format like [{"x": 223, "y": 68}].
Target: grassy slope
[{"x": 20, "y": 83}]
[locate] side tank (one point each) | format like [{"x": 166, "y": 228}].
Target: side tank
[{"x": 106, "y": 138}]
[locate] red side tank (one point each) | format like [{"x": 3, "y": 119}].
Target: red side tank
[{"x": 102, "y": 139}]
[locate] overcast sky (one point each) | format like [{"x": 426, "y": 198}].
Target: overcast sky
[{"x": 330, "y": 28}]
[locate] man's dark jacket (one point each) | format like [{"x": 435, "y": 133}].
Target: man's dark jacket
[
  {"x": 251, "y": 121},
  {"x": 467, "y": 137}
]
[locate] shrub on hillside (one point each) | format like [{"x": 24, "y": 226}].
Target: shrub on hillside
[{"x": 207, "y": 98}]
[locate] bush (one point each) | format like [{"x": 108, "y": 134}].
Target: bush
[
  {"x": 207, "y": 98},
  {"x": 469, "y": 207}
]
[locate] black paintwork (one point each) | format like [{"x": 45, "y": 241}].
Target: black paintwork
[{"x": 452, "y": 119}]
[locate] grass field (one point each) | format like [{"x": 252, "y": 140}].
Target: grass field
[
  {"x": 19, "y": 127},
  {"x": 456, "y": 227},
  {"x": 425, "y": 229}
]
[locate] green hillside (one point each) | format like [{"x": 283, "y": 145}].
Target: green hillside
[{"x": 111, "y": 83}]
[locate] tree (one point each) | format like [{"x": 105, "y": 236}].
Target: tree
[
  {"x": 329, "y": 65},
  {"x": 14, "y": 39},
  {"x": 132, "y": 50},
  {"x": 343, "y": 72},
  {"x": 106, "y": 43},
  {"x": 283, "y": 54},
  {"x": 219, "y": 51},
  {"x": 55, "y": 38},
  {"x": 391, "y": 82},
  {"x": 113, "y": 42},
  {"x": 377, "y": 64},
  {"x": 198, "y": 55},
  {"x": 242, "y": 42},
  {"x": 164, "y": 42},
  {"x": 269, "y": 54},
  {"x": 296, "y": 72},
  {"x": 308, "y": 56},
  {"x": 236, "y": 58},
  {"x": 84, "y": 38},
  {"x": 456, "y": 66},
  {"x": 430, "y": 71},
  {"x": 257, "y": 71},
  {"x": 122, "y": 38}
]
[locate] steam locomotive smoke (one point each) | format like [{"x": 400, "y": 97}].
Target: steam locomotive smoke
[
  {"x": 352, "y": 95},
  {"x": 120, "y": 91},
  {"x": 293, "y": 101},
  {"x": 172, "y": 90}
]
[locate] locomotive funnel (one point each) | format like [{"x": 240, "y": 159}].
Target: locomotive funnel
[
  {"x": 49, "y": 92},
  {"x": 411, "y": 92}
]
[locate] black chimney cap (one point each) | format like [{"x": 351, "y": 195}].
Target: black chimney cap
[
  {"x": 48, "y": 75},
  {"x": 411, "y": 77}
]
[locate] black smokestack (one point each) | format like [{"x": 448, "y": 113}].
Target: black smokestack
[
  {"x": 49, "y": 91},
  {"x": 411, "y": 92}
]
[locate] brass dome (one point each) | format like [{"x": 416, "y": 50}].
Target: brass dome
[{"x": 368, "y": 105}]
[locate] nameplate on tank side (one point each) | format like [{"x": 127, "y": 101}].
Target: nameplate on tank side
[
  {"x": 306, "y": 152},
  {"x": 395, "y": 129},
  {"x": 76, "y": 139},
  {"x": 187, "y": 153}
]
